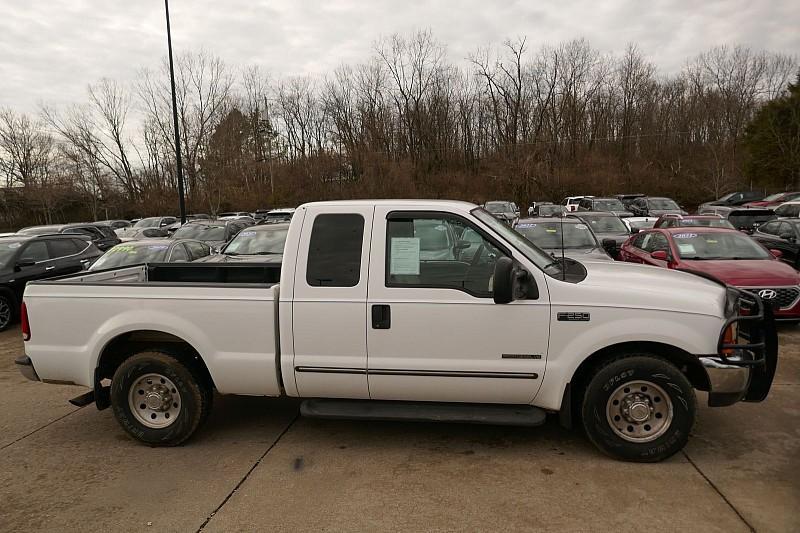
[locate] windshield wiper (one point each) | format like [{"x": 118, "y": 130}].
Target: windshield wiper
[{"x": 265, "y": 253}]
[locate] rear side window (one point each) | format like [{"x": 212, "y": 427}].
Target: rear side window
[
  {"x": 334, "y": 254},
  {"x": 107, "y": 232},
  {"x": 62, "y": 247}
]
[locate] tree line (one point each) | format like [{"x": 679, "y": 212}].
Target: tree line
[{"x": 510, "y": 122}]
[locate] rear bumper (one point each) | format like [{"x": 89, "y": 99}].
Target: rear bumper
[{"x": 25, "y": 366}]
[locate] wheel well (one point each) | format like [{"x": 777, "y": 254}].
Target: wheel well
[
  {"x": 123, "y": 346},
  {"x": 687, "y": 363}
]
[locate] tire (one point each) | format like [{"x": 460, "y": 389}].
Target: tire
[
  {"x": 639, "y": 408},
  {"x": 6, "y": 311},
  {"x": 159, "y": 400}
]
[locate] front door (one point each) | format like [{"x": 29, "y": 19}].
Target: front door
[
  {"x": 329, "y": 304},
  {"x": 434, "y": 332}
]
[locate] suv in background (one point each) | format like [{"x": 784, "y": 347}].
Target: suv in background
[
  {"x": 746, "y": 219},
  {"x": 25, "y": 258},
  {"x": 503, "y": 211},
  {"x": 570, "y": 203},
  {"x": 609, "y": 205},
  {"x": 101, "y": 235},
  {"x": 734, "y": 199},
  {"x": 627, "y": 199},
  {"x": 655, "y": 206}
]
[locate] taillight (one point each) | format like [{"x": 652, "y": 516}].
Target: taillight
[{"x": 26, "y": 326}]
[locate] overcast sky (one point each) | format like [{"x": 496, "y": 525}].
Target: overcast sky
[{"x": 51, "y": 49}]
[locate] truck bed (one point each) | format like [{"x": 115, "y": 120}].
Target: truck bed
[{"x": 228, "y": 313}]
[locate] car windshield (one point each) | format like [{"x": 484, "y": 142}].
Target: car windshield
[
  {"x": 152, "y": 222},
  {"x": 662, "y": 203},
  {"x": 278, "y": 217},
  {"x": 608, "y": 205},
  {"x": 537, "y": 256},
  {"x": 258, "y": 242},
  {"x": 791, "y": 210},
  {"x": 641, "y": 223},
  {"x": 605, "y": 224},
  {"x": 7, "y": 249},
  {"x": 548, "y": 235},
  {"x": 131, "y": 254},
  {"x": 743, "y": 219},
  {"x": 706, "y": 223},
  {"x": 498, "y": 207},
  {"x": 733, "y": 245},
  {"x": 201, "y": 232},
  {"x": 548, "y": 210},
  {"x": 776, "y": 196}
]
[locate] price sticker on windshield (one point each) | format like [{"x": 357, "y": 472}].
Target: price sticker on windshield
[
  {"x": 685, "y": 235},
  {"x": 581, "y": 226},
  {"x": 247, "y": 233}
]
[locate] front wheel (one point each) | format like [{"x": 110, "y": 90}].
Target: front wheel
[
  {"x": 6, "y": 312},
  {"x": 159, "y": 400},
  {"x": 639, "y": 408}
]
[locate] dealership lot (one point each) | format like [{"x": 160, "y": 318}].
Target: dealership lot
[{"x": 258, "y": 466}]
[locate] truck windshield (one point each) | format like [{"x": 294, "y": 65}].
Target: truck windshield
[{"x": 538, "y": 257}]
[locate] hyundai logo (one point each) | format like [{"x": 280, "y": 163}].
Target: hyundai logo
[{"x": 767, "y": 294}]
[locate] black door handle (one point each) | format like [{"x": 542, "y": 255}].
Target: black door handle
[{"x": 381, "y": 317}]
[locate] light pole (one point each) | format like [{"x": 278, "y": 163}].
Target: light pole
[{"x": 178, "y": 162}]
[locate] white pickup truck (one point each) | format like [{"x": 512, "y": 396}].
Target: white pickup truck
[{"x": 422, "y": 310}]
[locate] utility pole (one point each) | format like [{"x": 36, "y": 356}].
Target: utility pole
[{"x": 178, "y": 162}]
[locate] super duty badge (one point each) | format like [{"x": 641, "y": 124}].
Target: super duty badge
[{"x": 573, "y": 317}]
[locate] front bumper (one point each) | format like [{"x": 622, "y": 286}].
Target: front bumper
[
  {"x": 25, "y": 366},
  {"x": 744, "y": 369}
]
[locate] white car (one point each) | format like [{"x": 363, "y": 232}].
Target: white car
[
  {"x": 636, "y": 224},
  {"x": 367, "y": 308},
  {"x": 571, "y": 202}
]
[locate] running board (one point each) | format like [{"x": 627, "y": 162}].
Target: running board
[{"x": 467, "y": 413}]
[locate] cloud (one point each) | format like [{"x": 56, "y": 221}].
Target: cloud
[{"x": 51, "y": 49}]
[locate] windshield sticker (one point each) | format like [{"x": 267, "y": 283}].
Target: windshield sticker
[
  {"x": 551, "y": 230},
  {"x": 15, "y": 245},
  {"x": 404, "y": 258},
  {"x": 247, "y": 233},
  {"x": 158, "y": 247},
  {"x": 581, "y": 226},
  {"x": 711, "y": 241},
  {"x": 685, "y": 235},
  {"x": 526, "y": 225},
  {"x": 686, "y": 248},
  {"x": 127, "y": 248}
]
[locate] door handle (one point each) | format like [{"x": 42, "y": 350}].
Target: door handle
[
  {"x": 48, "y": 268},
  {"x": 381, "y": 317}
]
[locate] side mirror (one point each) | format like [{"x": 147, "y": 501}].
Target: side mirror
[
  {"x": 635, "y": 230},
  {"x": 661, "y": 255},
  {"x": 24, "y": 263},
  {"x": 777, "y": 254},
  {"x": 503, "y": 281},
  {"x": 609, "y": 245}
]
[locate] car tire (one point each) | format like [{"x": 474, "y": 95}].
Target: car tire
[
  {"x": 7, "y": 313},
  {"x": 639, "y": 408},
  {"x": 159, "y": 400}
]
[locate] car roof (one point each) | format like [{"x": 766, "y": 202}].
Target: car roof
[
  {"x": 542, "y": 220},
  {"x": 698, "y": 229}
]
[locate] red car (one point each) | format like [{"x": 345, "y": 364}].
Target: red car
[
  {"x": 774, "y": 200},
  {"x": 726, "y": 254}
]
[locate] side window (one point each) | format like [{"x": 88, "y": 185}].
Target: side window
[
  {"x": 179, "y": 254},
  {"x": 197, "y": 250},
  {"x": 92, "y": 232},
  {"x": 423, "y": 251},
  {"x": 770, "y": 228},
  {"x": 640, "y": 240},
  {"x": 334, "y": 253},
  {"x": 35, "y": 251},
  {"x": 80, "y": 244},
  {"x": 61, "y": 247},
  {"x": 658, "y": 242}
]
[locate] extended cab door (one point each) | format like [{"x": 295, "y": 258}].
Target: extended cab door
[
  {"x": 329, "y": 304},
  {"x": 434, "y": 332}
]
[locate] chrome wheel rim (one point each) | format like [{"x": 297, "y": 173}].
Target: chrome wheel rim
[
  {"x": 639, "y": 411},
  {"x": 5, "y": 313},
  {"x": 154, "y": 401}
]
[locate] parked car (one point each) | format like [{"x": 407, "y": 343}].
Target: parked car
[
  {"x": 215, "y": 233},
  {"x": 155, "y": 222},
  {"x": 235, "y": 214},
  {"x": 101, "y": 235},
  {"x": 746, "y": 219},
  {"x": 506, "y": 212},
  {"x": 25, "y": 258},
  {"x": 684, "y": 221},
  {"x": 115, "y": 224},
  {"x": 624, "y": 346},
  {"x": 609, "y": 229},
  {"x": 172, "y": 228},
  {"x": 627, "y": 199},
  {"x": 152, "y": 251},
  {"x": 734, "y": 199},
  {"x": 274, "y": 216},
  {"x": 570, "y": 203},
  {"x": 788, "y": 210},
  {"x": 636, "y": 224},
  {"x": 549, "y": 210},
  {"x": 727, "y": 255},
  {"x": 654, "y": 206},
  {"x": 783, "y": 235},
  {"x": 774, "y": 200},
  {"x": 134, "y": 234},
  {"x": 571, "y": 235},
  {"x": 263, "y": 244},
  {"x": 610, "y": 205}
]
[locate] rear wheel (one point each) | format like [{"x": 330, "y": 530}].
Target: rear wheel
[
  {"x": 158, "y": 399},
  {"x": 6, "y": 312},
  {"x": 639, "y": 408}
]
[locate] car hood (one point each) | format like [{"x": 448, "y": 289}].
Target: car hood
[
  {"x": 747, "y": 273},
  {"x": 629, "y": 285},
  {"x": 223, "y": 258}
]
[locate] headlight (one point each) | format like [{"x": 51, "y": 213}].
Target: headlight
[{"x": 731, "y": 302}]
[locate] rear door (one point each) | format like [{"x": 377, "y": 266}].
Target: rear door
[
  {"x": 434, "y": 332},
  {"x": 64, "y": 257},
  {"x": 329, "y": 304}
]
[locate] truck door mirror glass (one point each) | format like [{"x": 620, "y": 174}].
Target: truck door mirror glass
[{"x": 503, "y": 281}]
